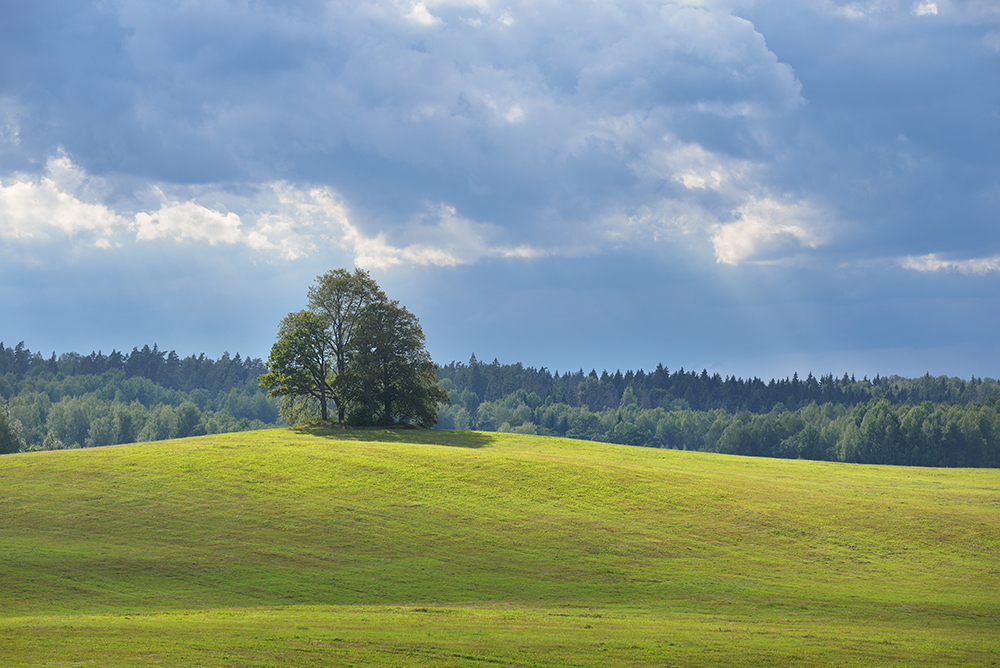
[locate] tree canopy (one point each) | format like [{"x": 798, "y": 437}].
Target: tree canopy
[
  {"x": 357, "y": 349},
  {"x": 342, "y": 299},
  {"x": 10, "y": 432},
  {"x": 302, "y": 360}
]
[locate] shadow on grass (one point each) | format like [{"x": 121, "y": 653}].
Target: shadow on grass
[{"x": 398, "y": 434}]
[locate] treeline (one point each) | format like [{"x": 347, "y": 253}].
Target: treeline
[
  {"x": 78, "y": 400},
  {"x": 703, "y": 391},
  {"x": 924, "y": 421},
  {"x": 75, "y": 400},
  {"x": 168, "y": 370}
]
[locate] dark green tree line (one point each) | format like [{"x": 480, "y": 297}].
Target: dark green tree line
[
  {"x": 54, "y": 403},
  {"x": 167, "y": 370},
  {"x": 703, "y": 391},
  {"x": 880, "y": 428}
]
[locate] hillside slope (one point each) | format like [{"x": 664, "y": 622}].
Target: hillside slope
[{"x": 450, "y": 548}]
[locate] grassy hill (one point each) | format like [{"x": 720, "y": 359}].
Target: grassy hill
[{"x": 420, "y": 548}]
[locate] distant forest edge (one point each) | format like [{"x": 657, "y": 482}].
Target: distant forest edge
[
  {"x": 74, "y": 400},
  {"x": 923, "y": 421},
  {"x": 78, "y": 400}
]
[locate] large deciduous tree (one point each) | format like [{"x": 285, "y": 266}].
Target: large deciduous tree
[
  {"x": 341, "y": 298},
  {"x": 357, "y": 349},
  {"x": 302, "y": 361},
  {"x": 392, "y": 376}
]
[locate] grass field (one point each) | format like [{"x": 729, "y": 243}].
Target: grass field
[{"x": 430, "y": 548}]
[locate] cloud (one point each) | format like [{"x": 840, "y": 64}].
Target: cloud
[
  {"x": 933, "y": 263},
  {"x": 417, "y": 12},
  {"x": 226, "y": 144},
  {"x": 291, "y": 221},
  {"x": 859, "y": 10},
  {"x": 767, "y": 229},
  {"x": 310, "y": 217},
  {"x": 280, "y": 220},
  {"x": 10, "y": 124},
  {"x": 557, "y": 126},
  {"x": 425, "y": 98},
  {"x": 696, "y": 168},
  {"x": 187, "y": 220},
  {"x": 41, "y": 208}
]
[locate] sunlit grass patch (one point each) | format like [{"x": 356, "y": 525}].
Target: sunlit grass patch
[{"x": 506, "y": 541}]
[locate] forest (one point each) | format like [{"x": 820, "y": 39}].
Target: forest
[
  {"x": 74, "y": 400},
  {"x": 926, "y": 421}
]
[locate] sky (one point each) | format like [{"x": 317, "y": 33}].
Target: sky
[{"x": 754, "y": 187}]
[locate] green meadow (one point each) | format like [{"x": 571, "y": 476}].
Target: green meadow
[{"x": 431, "y": 548}]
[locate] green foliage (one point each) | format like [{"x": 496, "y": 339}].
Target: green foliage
[
  {"x": 299, "y": 409},
  {"x": 391, "y": 377},
  {"x": 11, "y": 438},
  {"x": 342, "y": 298},
  {"x": 21, "y": 371},
  {"x": 679, "y": 390},
  {"x": 31, "y": 409},
  {"x": 302, "y": 361},
  {"x": 59, "y": 410},
  {"x": 875, "y": 431},
  {"x": 90, "y": 421},
  {"x": 358, "y": 350}
]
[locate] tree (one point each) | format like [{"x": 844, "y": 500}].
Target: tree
[
  {"x": 302, "y": 360},
  {"x": 10, "y": 432},
  {"x": 391, "y": 373},
  {"x": 341, "y": 298},
  {"x": 357, "y": 349}
]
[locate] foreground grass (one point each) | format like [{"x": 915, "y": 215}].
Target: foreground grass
[{"x": 436, "y": 548}]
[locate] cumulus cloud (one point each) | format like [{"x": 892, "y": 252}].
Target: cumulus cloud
[
  {"x": 289, "y": 221},
  {"x": 188, "y": 220},
  {"x": 767, "y": 229},
  {"x": 694, "y": 167},
  {"x": 40, "y": 208},
  {"x": 280, "y": 220},
  {"x": 418, "y": 13},
  {"x": 308, "y": 218},
  {"x": 456, "y": 102}
]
